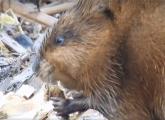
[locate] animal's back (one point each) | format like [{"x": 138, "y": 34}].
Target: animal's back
[{"x": 145, "y": 65}]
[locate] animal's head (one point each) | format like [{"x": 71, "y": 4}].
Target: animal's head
[{"x": 79, "y": 40}]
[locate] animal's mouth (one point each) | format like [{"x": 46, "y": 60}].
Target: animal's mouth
[{"x": 65, "y": 79}]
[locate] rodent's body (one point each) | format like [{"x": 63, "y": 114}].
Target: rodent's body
[{"x": 117, "y": 57}]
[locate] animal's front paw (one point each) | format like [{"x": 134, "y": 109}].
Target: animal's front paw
[
  {"x": 65, "y": 107},
  {"x": 61, "y": 106}
]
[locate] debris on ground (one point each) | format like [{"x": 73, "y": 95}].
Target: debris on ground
[{"x": 24, "y": 92}]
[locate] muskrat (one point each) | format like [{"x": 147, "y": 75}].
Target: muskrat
[{"x": 113, "y": 50}]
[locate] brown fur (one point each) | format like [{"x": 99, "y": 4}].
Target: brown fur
[{"x": 119, "y": 61}]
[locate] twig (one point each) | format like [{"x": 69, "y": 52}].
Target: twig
[
  {"x": 20, "y": 9},
  {"x": 58, "y": 8}
]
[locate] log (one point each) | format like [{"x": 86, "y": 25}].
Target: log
[
  {"x": 20, "y": 9},
  {"x": 58, "y": 8}
]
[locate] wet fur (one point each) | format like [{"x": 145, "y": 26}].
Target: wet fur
[{"x": 119, "y": 63}]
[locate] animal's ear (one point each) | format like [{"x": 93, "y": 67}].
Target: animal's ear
[
  {"x": 110, "y": 8},
  {"x": 107, "y": 7},
  {"x": 104, "y": 7}
]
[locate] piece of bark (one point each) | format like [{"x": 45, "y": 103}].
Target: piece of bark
[
  {"x": 18, "y": 80},
  {"x": 26, "y": 91},
  {"x": 20, "y": 9},
  {"x": 7, "y": 40},
  {"x": 17, "y": 108},
  {"x": 91, "y": 115},
  {"x": 58, "y": 8}
]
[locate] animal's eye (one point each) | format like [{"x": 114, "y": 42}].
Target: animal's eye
[{"x": 60, "y": 40}]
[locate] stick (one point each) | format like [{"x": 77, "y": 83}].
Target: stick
[
  {"x": 20, "y": 9},
  {"x": 58, "y": 8}
]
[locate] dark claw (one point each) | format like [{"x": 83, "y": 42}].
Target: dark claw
[
  {"x": 60, "y": 105},
  {"x": 64, "y": 107}
]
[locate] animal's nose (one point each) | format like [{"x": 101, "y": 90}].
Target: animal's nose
[{"x": 60, "y": 40}]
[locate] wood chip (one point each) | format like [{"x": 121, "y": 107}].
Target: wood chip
[
  {"x": 26, "y": 91},
  {"x": 12, "y": 43}
]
